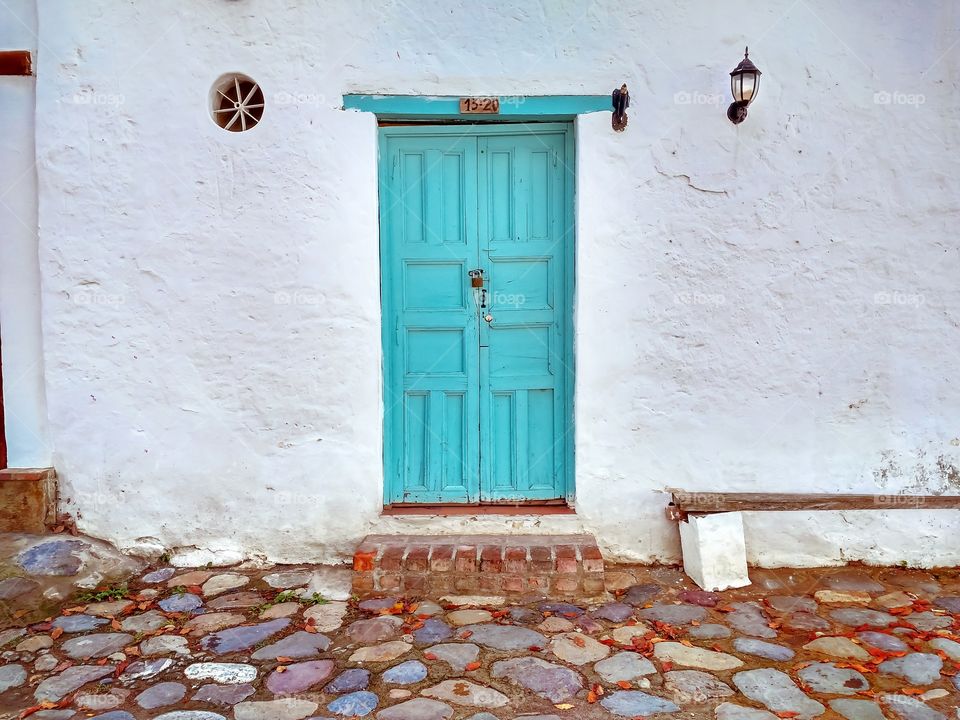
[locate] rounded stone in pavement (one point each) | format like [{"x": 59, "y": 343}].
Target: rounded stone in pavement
[
  {"x": 883, "y": 641},
  {"x": 375, "y": 629},
  {"x": 950, "y": 647},
  {"x": 406, "y": 673},
  {"x": 840, "y": 647},
  {"x": 908, "y": 708},
  {"x": 729, "y": 711},
  {"x": 301, "y": 644},
  {"x": 243, "y": 637},
  {"x": 418, "y": 709},
  {"x": 224, "y": 695},
  {"x": 624, "y": 667},
  {"x": 695, "y": 657},
  {"x": 433, "y": 631},
  {"x": 95, "y": 646},
  {"x": 916, "y": 668},
  {"x": 949, "y": 603},
  {"x": 464, "y": 692},
  {"x": 614, "y": 612},
  {"x": 561, "y": 608},
  {"x": 161, "y": 695},
  {"x": 159, "y": 576},
  {"x": 327, "y": 617},
  {"x": 853, "y": 580},
  {"x": 641, "y": 594},
  {"x": 506, "y": 637},
  {"x": 283, "y": 709},
  {"x": 770, "y": 651},
  {"x": 299, "y": 677},
  {"x": 237, "y": 600},
  {"x": 78, "y": 623},
  {"x": 700, "y": 597},
  {"x": 108, "y": 609},
  {"x": 144, "y": 623},
  {"x": 287, "y": 579},
  {"x": 856, "y": 709},
  {"x": 194, "y": 577},
  {"x": 749, "y": 619},
  {"x": 350, "y": 681},
  {"x": 12, "y": 676},
  {"x": 709, "y": 631},
  {"x": 34, "y": 643},
  {"x": 280, "y": 611},
  {"x": 456, "y": 655},
  {"x": 115, "y": 715},
  {"x": 223, "y": 673},
  {"x": 183, "y": 602},
  {"x": 695, "y": 686},
  {"x": 777, "y": 692},
  {"x": 631, "y": 703},
  {"x": 553, "y": 682},
  {"x": 828, "y": 678},
  {"x": 855, "y": 617},
  {"x": 805, "y": 622},
  {"x": 145, "y": 669},
  {"x": 625, "y": 635},
  {"x": 927, "y": 621},
  {"x": 673, "y": 614},
  {"x": 578, "y": 649},
  {"x": 381, "y": 653},
  {"x": 375, "y": 605},
  {"x": 555, "y": 624},
  {"x": 358, "y": 704},
  {"x": 13, "y": 587},
  {"x": 56, "y": 687},
  {"x": 190, "y": 715},
  {"x": 165, "y": 645},
  {"x": 211, "y": 622},
  {"x": 222, "y": 583},
  {"x": 469, "y": 616},
  {"x": 785, "y": 604}
]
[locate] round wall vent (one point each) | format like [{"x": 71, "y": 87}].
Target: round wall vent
[{"x": 237, "y": 103}]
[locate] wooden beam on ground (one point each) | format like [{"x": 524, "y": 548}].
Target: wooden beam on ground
[{"x": 701, "y": 502}]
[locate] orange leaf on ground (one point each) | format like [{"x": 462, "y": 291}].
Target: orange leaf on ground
[
  {"x": 473, "y": 666},
  {"x": 624, "y": 685},
  {"x": 55, "y": 633}
]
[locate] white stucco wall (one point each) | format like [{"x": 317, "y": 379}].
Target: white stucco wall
[
  {"x": 25, "y": 412},
  {"x": 766, "y": 307}
]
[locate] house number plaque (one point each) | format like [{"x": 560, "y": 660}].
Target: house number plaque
[{"x": 479, "y": 105}]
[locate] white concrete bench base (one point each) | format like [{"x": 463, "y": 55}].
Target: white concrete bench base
[{"x": 714, "y": 550}]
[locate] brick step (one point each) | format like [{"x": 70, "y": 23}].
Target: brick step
[{"x": 434, "y": 565}]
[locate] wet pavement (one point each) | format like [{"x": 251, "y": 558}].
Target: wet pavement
[{"x": 260, "y": 644}]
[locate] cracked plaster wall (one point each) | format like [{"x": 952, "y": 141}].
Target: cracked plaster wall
[{"x": 767, "y": 307}]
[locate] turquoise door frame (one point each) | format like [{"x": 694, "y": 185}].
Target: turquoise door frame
[{"x": 477, "y": 410}]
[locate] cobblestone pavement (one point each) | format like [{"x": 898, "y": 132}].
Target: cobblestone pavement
[{"x": 854, "y": 643}]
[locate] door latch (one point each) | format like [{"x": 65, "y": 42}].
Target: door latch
[{"x": 479, "y": 291}]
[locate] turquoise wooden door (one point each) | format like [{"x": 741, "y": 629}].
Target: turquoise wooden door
[{"x": 477, "y": 384}]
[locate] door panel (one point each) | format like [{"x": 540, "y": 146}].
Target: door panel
[
  {"x": 476, "y": 411},
  {"x": 524, "y": 226},
  {"x": 429, "y": 243}
]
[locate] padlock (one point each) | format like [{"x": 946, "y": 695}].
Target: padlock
[{"x": 476, "y": 281}]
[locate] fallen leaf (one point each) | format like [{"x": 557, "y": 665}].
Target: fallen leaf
[
  {"x": 57, "y": 632},
  {"x": 473, "y": 665},
  {"x": 624, "y": 685}
]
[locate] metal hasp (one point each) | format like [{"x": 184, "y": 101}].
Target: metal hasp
[
  {"x": 744, "y": 85},
  {"x": 621, "y": 101}
]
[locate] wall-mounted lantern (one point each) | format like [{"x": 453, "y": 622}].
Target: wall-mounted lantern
[{"x": 744, "y": 84}]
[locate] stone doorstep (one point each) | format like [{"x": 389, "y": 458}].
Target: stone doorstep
[
  {"x": 28, "y": 499},
  {"x": 435, "y": 565}
]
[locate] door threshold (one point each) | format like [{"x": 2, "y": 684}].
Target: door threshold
[{"x": 550, "y": 507}]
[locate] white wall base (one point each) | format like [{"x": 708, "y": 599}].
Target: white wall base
[{"x": 714, "y": 550}]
